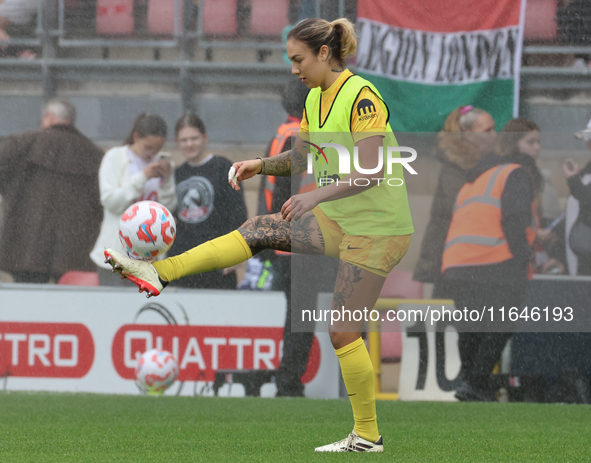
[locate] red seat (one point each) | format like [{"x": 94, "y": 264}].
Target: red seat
[
  {"x": 161, "y": 17},
  {"x": 219, "y": 17},
  {"x": 540, "y": 20},
  {"x": 398, "y": 285},
  {"x": 114, "y": 17},
  {"x": 268, "y": 17},
  {"x": 76, "y": 278}
]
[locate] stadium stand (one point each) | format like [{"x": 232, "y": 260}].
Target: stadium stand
[
  {"x": 162, "y": 19},
  {"x": 219, "y": 17},
  {"x": 268, "y": 17},
  {"x": 540, "y": 21},
  {"x": 114, "y": 17}
]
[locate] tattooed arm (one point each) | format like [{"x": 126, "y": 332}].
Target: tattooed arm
[{"x": 286, "y": 164}]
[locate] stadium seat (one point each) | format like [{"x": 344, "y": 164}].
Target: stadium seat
[
  {"x": 540, "y": 20},
  {"x": 76, "y": 278},
  {"x": 399, "y": 285},
  {"x": 219, "y": 17},
  {"x": 161, "y": 17},
  {"x": 114, "y": 17},
  {"x": 268, "y": 17}
]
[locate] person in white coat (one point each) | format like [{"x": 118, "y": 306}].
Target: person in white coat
[{"x": 136, "y": 171}]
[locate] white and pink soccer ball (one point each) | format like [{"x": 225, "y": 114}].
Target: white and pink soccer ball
[
  {"x": 156, "y": 370},
  {"x": 147, "y": 229}
]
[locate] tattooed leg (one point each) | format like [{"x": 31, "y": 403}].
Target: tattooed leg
[
  {"x": 355, "y": 290},
  {"x": 272, "y": 232}
]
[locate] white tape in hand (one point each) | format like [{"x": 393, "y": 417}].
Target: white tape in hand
[{"x": 232, "y": 175}]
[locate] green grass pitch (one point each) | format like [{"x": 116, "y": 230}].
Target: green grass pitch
[{"x": 41, "y": 427}]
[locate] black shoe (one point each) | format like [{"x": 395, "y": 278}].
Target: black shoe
[
  {"x": 290, "y": 393},
  {"x": 466, "y": 393}
]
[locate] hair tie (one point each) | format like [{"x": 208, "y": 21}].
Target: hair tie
[{"x": 466, "y": 109}]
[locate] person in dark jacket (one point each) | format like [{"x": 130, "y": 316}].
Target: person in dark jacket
[
  {"x": 52, "y": 209},
  {"x": 520, "y": 138},
  {"x": 459, "y": 151},
  {"x": 486, "y": 262}
]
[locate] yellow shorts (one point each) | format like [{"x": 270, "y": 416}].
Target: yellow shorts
[{"x": 374, "y": 253}]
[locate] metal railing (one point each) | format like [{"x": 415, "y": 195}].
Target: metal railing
[
  {"x": 40, "y": 31},
  {"x": 140, "y": 41},
  {"x": 52, "y": 35}
]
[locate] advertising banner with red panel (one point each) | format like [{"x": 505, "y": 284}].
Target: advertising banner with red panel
[{"x": 60, "y": 338}]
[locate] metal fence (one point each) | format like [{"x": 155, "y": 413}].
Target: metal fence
[{"x": 61, "y": 25}]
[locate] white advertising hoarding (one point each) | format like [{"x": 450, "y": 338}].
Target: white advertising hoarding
[{"x": 61, "y": 338}]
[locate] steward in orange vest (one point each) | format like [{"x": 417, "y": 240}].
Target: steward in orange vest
[
  {"x": 486, "y": 263},
  {"x": 299, "y": 185},
  {"x": 490, "y": 237}
]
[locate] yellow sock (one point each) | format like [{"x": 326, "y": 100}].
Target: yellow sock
[
  {"x": 358, "y": 374},
  {"x": 222, "y": 252}
]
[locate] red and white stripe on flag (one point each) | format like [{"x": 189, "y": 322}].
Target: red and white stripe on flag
[
  {"x": 427, "y": 57},
  {"x": 442, "y": 15}
]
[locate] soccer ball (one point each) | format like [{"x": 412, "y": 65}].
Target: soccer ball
[
  {"x": 147, "y": 229},
  {"x": 156, "y": 370}
]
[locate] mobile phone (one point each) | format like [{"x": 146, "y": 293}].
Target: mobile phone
[
  {"x": 555, "y": 222},
  {"x": 163, "y": 155}
]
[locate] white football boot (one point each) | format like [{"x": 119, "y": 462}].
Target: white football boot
[
  {"x": 353, "y": 443},
  {"x": 140, "y": 272}
]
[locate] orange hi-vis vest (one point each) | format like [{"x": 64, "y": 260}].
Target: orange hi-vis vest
[
  {"x": 308, "y": 182},
  {"x": 284, "y": 133},
  {"x": 475, "y": 235}
]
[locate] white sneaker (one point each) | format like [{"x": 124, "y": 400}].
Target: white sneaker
[
  {"x": 140, "y": 272},
  {"x": 353, "y": 443}
]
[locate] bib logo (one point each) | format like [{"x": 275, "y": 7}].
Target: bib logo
[
  {"x": 368, "y": 108},
  {"x": 345, "y": 164}
]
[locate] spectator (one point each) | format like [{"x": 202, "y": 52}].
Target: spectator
[
  {"x": 578, "y": 208},
  {"x": 49, "y": 188},
  {"x": 520, "y": 139},
  {"x": 468, "y": 133},
  {"x": 16, "y": 17},
  {"x": 207, "y": 208},
  {"x": 133, "y": 172},
  {"x": 486, "y": 262}
]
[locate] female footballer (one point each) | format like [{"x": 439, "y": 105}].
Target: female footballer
[{"x": 359, "y": 212}]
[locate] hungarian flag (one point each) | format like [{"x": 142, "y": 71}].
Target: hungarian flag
[{"x": 428, "y": 57}]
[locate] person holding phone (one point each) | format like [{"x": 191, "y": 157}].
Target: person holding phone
[
  {"x": 520, "y": 140},
  {"x": 207, "y": 208},
  {"x": 135, "y": 171}
]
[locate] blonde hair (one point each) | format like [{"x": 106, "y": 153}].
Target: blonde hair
[
  {"x": 451, "y": 143},
  {"x": 339, "y": 36}
]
